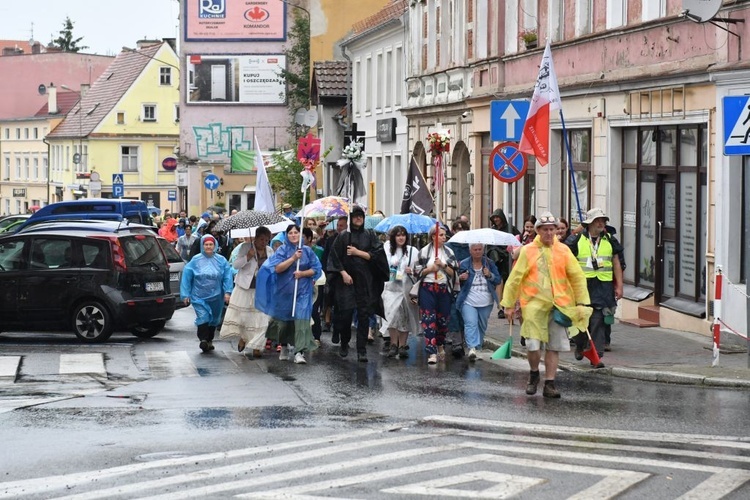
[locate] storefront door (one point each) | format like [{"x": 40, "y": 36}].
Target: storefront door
[{"x": 666, "y": 237}]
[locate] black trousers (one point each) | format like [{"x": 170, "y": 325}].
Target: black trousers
[
  {"x": 342, "y": 323},
  {"x": 206, "y": 332},
  {"x": 597, "y": 331}
]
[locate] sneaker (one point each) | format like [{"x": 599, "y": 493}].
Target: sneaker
[
  {"x": 472, "y": 354},
  {"x": 299, "y": 358},
  {"x": 204, "y": 345},
  {"x": 403, "y": 352},
  {"x": 344, "y": 350},
  {"x": 549, "y": 390},
  {"x": 533, "y": 383},
  {"x": 362, "y": 357},
  {"x": 432, "y": 359},
  {"x": 284, "y": 353},
  {"x": 393, "y": 351}
]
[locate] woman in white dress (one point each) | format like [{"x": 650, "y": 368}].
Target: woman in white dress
[
  {"x": 242, "y": 319},
  {"x": 402, "y": 316}
]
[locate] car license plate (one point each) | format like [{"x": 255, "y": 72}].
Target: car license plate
[
  {"x": 156, "y": 286},
  {"x": 174, "y": 276}
]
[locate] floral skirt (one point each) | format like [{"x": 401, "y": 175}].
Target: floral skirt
[{"x": 244, "y": 320}]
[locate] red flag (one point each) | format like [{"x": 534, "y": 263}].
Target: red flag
[{"x": 535, "y": 136}]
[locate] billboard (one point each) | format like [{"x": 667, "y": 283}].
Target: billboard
[
  {"x": 235, "y": 20},
  {"x": 236, "y": 79}
]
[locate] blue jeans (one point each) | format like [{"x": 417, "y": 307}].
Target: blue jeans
[{"x": 475, "y": 324}]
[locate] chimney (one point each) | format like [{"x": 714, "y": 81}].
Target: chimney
[
  {"x": 142, "y": 44},
  {"x": 85, "y": 88},
  {"x": 172, "y": 43},
  {"x": 52, "y": 100},
  {"x": 36, "y": 48}
]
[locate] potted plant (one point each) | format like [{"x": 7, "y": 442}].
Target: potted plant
[{"x": 530, "y": 37}]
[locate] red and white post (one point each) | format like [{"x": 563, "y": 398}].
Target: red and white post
[{"x": 717, "y": 317}]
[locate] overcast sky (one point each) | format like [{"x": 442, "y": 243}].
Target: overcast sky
[{"x": 105, "y": 25}]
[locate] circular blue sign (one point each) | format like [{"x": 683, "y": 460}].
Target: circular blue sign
[
  {"x": 211, "y": 181},
  {"x": 507, "y": 163}
]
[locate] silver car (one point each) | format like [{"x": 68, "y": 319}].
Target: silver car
[{"x": 176, "y": 265}]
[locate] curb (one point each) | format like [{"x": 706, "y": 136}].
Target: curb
[{"x": 666, "y": 377}]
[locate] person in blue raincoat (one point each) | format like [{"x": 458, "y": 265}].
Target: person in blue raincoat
[
  {"x": 275, "y": 295},
  {"x": 207, "y": 284}
]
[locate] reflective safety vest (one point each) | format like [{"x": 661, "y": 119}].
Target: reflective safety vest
[{"x": 603, "y": 258}]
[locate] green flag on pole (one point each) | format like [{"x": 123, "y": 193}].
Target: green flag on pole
[{"x": 242, "y": 161}]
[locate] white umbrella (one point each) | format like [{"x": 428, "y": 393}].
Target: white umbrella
[{"x": 485, "y": 236}]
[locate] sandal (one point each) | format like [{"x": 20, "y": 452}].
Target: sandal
[{"x": 241, "y": 345}]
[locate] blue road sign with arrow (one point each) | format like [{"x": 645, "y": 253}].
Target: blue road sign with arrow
[
  {"x": 507, "y": 119},
  {"x": 211, "y": 182},
  {"x": 507, "y": 163},
  {"x": 736, "y": 110}
]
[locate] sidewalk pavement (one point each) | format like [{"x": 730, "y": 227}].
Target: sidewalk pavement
[{"x": 651, "y": 354}]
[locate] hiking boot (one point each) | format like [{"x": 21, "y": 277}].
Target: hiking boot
[
  {"x": 344, "y": 350},
  {"x": 549, "y": 390},
  {"x": 393, "y": 351},
  {"x": 403, "y": 352},
  {"x": 533, "y": 383},
  {"x": 362, "y": 357}
]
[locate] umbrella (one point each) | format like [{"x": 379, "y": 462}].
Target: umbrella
[
  {"x": 34, "y": 208},
  {"x": 249, "y": 219},
  {"x": 372, "y": 220},
  {"x": 330, "y": 206},
  {"x": 217, "y": 209},
  {"x": 485, "y": 236},
  {"x": 414, "y": 223}
]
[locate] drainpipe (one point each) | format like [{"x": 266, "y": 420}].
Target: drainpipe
[{"x": 49, "y": 167}]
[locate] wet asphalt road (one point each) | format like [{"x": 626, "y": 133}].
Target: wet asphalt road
[{"x": 162, "y": 400}]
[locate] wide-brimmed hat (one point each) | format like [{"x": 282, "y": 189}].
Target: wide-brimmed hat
[
  {"x": 286, "y": 206},
  {"x": 593, "y": 214},
  {"x": 546, "y": 219}
]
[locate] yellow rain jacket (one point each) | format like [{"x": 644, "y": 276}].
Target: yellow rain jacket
[{"x": 543, "y": 277}]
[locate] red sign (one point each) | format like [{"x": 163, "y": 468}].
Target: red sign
[
  {"x": 195, "y": 59},
  {"x": 169, "y": 164},
  {"x": 507, "y": 163}
]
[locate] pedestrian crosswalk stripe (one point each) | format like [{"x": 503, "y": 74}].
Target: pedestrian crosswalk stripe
[
  {"x": 165, "y": 364},
  {"x": 9, "y": 368},
  {"x": 505, "y": 486},
  {"x": 38, "y": 486},
  {"x": 83, "y": 364}
]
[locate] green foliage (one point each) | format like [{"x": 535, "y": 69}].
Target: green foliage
[
  {"x": 297, "y": 74},
  {"x": 65, "y": 41}
]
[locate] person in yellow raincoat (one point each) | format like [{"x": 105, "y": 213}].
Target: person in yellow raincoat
[{"x": 546, "y": 277}]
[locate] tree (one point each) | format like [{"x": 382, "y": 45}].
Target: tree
[
  {"x": 298, "y": 61},
  {"x": 65, "y": 41}
]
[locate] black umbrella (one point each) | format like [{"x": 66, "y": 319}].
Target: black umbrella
[
  {"x": 248, "y": 219},
  {"x": 217, "y": 209}
]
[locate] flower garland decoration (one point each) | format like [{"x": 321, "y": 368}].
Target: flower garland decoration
[
  {"x": 353, "y": 151},
  {"x": 440, "y": 142}
]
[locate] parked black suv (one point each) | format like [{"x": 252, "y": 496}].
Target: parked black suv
[{"x": 93, "y": 281}]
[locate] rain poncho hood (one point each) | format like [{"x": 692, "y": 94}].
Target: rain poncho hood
[
  {"x": 169, "y": 230},
  {"x": 544, "y": 277},
  {"x": 205, "y": 280},
  {"x": 274, "y": 292}
]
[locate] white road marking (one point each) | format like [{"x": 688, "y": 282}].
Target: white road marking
[
  {"x": 37, "y": 486},
  {"x": 164, "y": 364},
  {"x": 228, "y": 470},
  {"x": 664, "y": 437},
  {"x": 9, "y": 368},
  {"x": 718, "y": 485},
  {"x": 83, "y": 364},
  {"x": 505, "y": 486}
]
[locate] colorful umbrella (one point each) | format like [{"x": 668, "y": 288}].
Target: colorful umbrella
[
  {"x": 413, "y": 223},
  {"x": 330, "y": 206}
]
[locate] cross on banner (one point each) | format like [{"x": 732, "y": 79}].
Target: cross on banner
[{"x": 353, "y": 135}]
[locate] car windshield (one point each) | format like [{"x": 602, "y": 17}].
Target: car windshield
[
  {"x": 170, "y": 252},
  {"x": 141, "y": 250}
]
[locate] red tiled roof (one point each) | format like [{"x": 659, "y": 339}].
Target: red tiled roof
[
  {"x": 106, "y": 92},
  {"x": 65, "y": 102},
  {"x": 22, "y": 45},
  {"x": 391, "y": 11},
  {"x": 330, "y": 78}
]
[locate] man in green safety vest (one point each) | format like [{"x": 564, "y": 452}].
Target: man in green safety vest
[{"x": 597, "y": 253}]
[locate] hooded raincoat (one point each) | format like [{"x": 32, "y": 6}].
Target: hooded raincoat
[
  {"x": 205, "y": 280},
  {"x": 546, "y": 277}
]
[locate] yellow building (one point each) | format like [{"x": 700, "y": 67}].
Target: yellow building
[
  {"x": 127, "y": 124},
  {"x": 331, "y": 20}
]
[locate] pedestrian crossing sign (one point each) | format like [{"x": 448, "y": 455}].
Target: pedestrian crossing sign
[{"x": 736, "y": 110}]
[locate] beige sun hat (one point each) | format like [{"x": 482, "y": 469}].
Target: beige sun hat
[
  {"x": 593, "y": 214},
  {"x": 546, "y": 219}
]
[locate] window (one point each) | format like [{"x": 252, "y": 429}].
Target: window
[
  {"x": 367, "y": 81},
  {"x": 584, "y": 20},
  {"x": 121, "y": 118},
  {"x": 18, "y": 168},
  {"x": 26, "y": 133},
  {"x": 6, "y": 177},
  {"x": 85, "y": 159},
  {"x": 26, "y": 168},
  {"x": 7, "y": 133},
  {"x": 67, "y": 158},
  {"x": 654, "y": 9},
  {"x": 36, "y": 168},
  {"x": 18, "y": 133},
  {"x": 387, "y": 82},
  {"x": 577, "y": 188},
  {"x": 556, "y": 20},
  {"x": 129, "y": 158},
  {"x": 617, "y": 13},
  {"x": 176, "y": 113},
  {"x": 149, "y": 113},
  {"x": 165, "y": 76},
  {"x": 379, "y": 81},
  {"x": 45, "y": 167},
  {"x": 399, "y": 76},
  {"x": 36, "y": 133}
]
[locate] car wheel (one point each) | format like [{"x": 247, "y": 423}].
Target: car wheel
[
  {"x": 148, "y": 330},
  {"x": 92, "y": 322}
]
